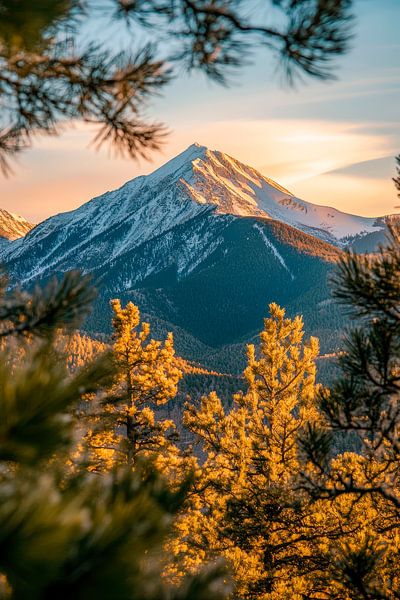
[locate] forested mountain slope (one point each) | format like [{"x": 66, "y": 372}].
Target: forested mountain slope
[{"x": 202, "y": 246}]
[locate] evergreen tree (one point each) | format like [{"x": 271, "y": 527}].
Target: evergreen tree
[
  {"x": 148, "y": 376},
  {"x": 65, "y": 532},
  {"x": 364, "y": 404},
  {"x": 246, "y": 505},
  {"x": 53, "y": 70},
  {"x": 79, "y": 349}
]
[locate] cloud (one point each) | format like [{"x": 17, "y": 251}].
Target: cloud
[
  {"x": 62, "y": 173},
  {"x": 293, "y": 150},
  {"x": 379, "y": 168},
  {"x": 370, "y": 197}
]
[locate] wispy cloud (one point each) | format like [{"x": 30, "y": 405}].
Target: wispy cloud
[{"x": 62, "y": 173}]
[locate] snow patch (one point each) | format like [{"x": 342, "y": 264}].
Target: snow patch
[{"x": 271, "y": 246}]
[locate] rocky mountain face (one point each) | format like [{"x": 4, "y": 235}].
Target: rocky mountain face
[
  {"x": 12, "y": 227},
  {"x": 202, "y": 245}
]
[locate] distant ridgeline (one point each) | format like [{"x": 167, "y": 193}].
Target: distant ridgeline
[{"x": 202, "y": 246}]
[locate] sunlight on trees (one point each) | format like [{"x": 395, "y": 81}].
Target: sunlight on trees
[
  {"x": 125, "y": 428},
  {"x": 64, "y": 531}
]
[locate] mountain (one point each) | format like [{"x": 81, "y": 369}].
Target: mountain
[
  {"x": 12, "y": 227},
  {"x": 202, "y": 245}
]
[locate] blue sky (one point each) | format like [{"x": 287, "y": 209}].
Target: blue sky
[{"x": 329, "y": 143}]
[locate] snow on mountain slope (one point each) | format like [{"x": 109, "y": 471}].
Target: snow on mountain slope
[
  {"x": 212, "y": 177},
  {"x": 203, "y": 244},
  {"x": 13, "y": 226},
  {"x": 104, "y": 228},
  {"x": 270, "y": 245},
  {"x": 196, "y": 182}
]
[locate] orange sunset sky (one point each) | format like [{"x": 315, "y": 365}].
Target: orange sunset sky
[{"x": 330, "y": 143}]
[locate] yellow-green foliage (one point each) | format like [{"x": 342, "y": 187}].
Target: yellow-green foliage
[
  {"x": 245, "y": 507},
  {"x": 66, "y": 532},
  {"x": 125, "y": 426},
  {"x": 295, "y": 486},
  {"x": 251, "y": 501}
]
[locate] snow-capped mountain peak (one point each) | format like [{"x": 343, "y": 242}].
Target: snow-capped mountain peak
[
  {"x": 197, "y": 182},
  {"x": 213, "y": 178},
  {"x": 180, "y": 164},
  {"x": 13, "y": 226},
  {"x": 204, "y": 243}
]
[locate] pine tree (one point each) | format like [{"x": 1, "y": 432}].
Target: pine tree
[
  {"x": 363, "y": 404},
  {"x": 65, "y": 532},
  {"x": 148, "y": 376},
  {"x": 246, "y": 505}
]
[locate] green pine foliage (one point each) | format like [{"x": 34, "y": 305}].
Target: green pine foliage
[
  {"x": 64, "y": 531},
  {"x": 363, "y": 405},
  {"x": 294, "y": 485}
]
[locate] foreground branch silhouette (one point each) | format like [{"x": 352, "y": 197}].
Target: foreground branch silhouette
[{"x": 54, "y": 70}]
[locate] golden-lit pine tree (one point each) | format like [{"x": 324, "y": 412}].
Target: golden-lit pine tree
[
  {"x": 68, "y": 533},
  {"x": 127, "y": 426},
  {"x": 246, "y": 505},
  {"x": 363, "y": 405},
  {"x": 281, "y": 391}
]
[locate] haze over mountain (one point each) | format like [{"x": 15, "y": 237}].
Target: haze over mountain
[{"x": 202, "y": 245}]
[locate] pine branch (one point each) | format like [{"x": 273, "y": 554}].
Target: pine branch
[
  {"x": 37, "y": 401},
  {"x": 60, "y": 305},
  {"x": 48, "y": 78}
]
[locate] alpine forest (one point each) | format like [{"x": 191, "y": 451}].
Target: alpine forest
[{"x": 199, "y": 369}]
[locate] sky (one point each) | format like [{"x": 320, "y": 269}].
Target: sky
[{"x": 331, "y": 143}]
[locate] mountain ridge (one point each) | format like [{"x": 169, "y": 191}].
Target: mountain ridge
[
  {"x": 204, "y": 160},
  {"x": 13, "y": 226},
  {"x": 201, "y": 245},
  {"x": 197, "y": 163}
]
